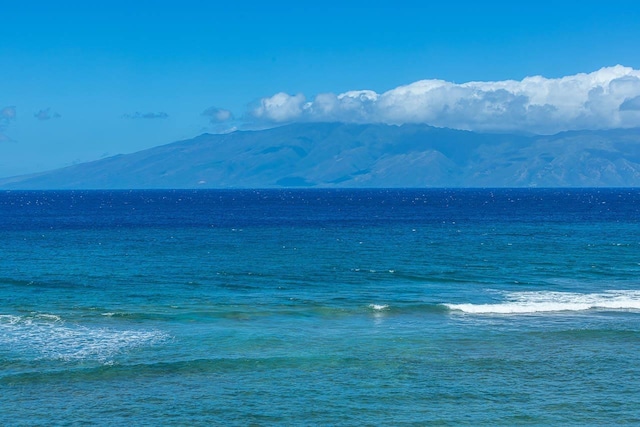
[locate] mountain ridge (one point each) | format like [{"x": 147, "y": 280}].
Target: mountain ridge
[{"x": 329, "y": 155}]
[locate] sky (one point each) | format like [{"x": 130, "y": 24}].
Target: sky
[{"x": 83, "y": 80}]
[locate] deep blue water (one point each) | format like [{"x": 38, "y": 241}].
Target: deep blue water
[{"x": 320, "y": 307}]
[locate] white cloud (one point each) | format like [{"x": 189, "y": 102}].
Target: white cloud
[
  {"x": 217, "y": 115},
  {"x": 280, "y": 107},
  {"x": 606, "y": 98},
  {"x": 631, "y": 104}
]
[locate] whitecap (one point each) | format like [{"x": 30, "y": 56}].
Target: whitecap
[
  {"x": 49, "y": 337},
  {"x": 547, "y": 301},
  {"x": 45, "y": 316},
  {"x": 378, "y": 307}
]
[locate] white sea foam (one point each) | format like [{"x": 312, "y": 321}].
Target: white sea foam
[
  {"x": 49, "y": 337},
  {"x": 45, "y": 316},
  {"x": 542, "y": 302},
  {"x": 9, "y": 319},
  {"x": 378, "y": 307}
]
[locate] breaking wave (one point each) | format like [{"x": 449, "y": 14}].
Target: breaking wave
[
  {"x": 542, "y": 302},
  {"x": 47, "y": 336}
]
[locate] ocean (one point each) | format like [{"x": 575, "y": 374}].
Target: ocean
[{"x": 320, "y": 307}]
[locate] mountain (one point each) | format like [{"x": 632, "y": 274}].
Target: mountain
[{"x": 371, "y": 155}]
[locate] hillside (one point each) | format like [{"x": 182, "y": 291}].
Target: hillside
[{"x": 349, "y": 155}]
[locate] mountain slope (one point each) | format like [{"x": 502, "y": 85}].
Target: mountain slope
[{"x": 349, "y": 155}]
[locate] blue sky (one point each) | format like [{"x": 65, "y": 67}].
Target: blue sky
[{"x": 79, "y": 81}]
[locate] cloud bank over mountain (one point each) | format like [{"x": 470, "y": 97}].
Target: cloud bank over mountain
[{"x": 604, "y": 99}]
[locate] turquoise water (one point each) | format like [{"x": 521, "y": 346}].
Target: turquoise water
[{"x": 368, "y": 307}]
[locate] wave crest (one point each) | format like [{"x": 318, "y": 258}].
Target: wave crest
[{"x": 544, "y": 302}]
